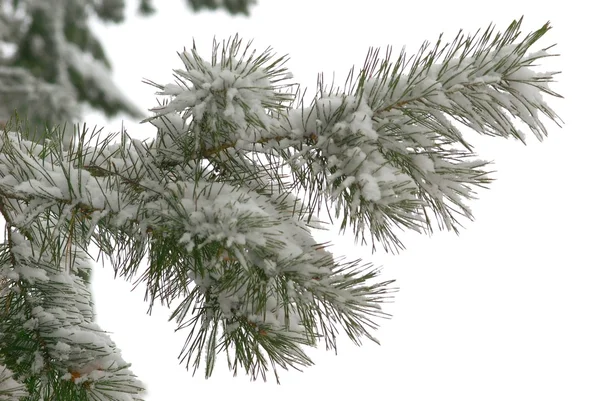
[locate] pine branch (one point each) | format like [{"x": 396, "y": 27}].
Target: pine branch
[
  {"x": 223, "y": 200},
  {"x": 395, "y": 117}
]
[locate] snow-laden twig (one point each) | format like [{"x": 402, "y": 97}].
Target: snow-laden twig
[{"x": 223, "y": 201}]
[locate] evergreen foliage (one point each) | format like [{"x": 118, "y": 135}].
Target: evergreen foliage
[{"x": 223, "y": 203}]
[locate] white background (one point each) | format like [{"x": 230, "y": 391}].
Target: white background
[{"x": 508, "y": 310}]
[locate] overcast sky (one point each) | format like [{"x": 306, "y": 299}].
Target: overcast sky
[{"x": 508, "y": 310}]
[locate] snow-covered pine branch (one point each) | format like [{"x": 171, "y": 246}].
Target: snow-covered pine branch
[
  {"x": 224, "y": 199},
  {"x": 384, "y": 149}
]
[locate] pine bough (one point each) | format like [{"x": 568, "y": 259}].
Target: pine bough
[{"x": 222, "y": 203}]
